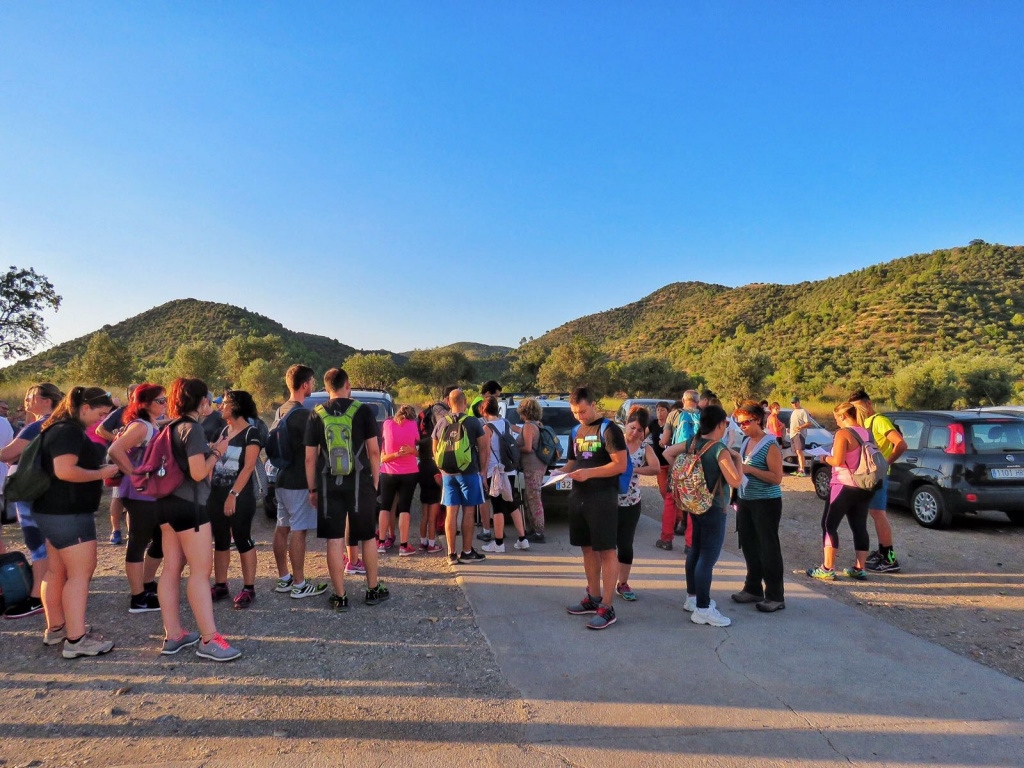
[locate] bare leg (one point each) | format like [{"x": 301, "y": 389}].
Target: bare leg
[
  {"x": 883, "y": 530},
  {"x": 370, "y": 561},
  {"x": 450, "y": 525},
  {"x": 197, "y": 547},
  {"x": 609, "y": 573},
  {"x": 336, "y": 563},
  {"x": 297, "y": 556},
  {"x": 52, "y": 589},
  {"x": 248, "y": 567},
  {"x": 282, "y": 546},
  {"x": 592, "y": 568}
]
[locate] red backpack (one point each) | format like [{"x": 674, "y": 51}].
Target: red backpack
[{"x": 159, "y": 474}]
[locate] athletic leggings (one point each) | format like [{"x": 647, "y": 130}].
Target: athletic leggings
[
  {"x": 402, "y": 486},
  {"x": 143, "y": 531},
  {"x": 851, "y": 503},
  {"x": 238, "y": 526},
  {"x": 628, "y": 519}
]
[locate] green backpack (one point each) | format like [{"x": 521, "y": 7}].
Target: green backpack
[
  {"x": 341, "y": 459},
  {"x": 454, "y": 454},
  {"x": 30, "y": 481}
]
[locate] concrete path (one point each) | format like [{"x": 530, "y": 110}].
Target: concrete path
[{"x": 817, "y": 684}]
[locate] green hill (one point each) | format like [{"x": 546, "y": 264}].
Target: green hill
[{"x": 864, "y": 326}]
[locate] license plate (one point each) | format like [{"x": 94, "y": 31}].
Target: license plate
[
  {"x": 564, "y": 485},
  {"x": 1013, "y": 473}
]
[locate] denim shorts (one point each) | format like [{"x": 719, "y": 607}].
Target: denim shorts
[
  {"x": 462, "y": 490},
  {"x": 881, "y": 498}
]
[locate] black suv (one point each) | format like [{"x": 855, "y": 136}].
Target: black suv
[{"x": 956, "y": 462}]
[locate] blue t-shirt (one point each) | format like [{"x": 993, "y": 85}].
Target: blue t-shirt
[{"x": 29, "y": 431}]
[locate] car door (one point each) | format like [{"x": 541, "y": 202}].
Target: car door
[{"x": 901, "y": 472}]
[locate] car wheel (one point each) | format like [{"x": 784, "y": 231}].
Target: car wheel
[
  {"x": 1017, "y": 518},
  {"x": 822, "y": 480},
  {"x": 928, "y": 507}
]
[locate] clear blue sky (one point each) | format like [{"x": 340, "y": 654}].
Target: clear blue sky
[{"x": 405, "y": 175}]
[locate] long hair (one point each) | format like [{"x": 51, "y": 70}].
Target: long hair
[
  {"x": 186, "y": 395},
  {"x": 69, "y": 408},
  {"x": 142, "y": 398}
]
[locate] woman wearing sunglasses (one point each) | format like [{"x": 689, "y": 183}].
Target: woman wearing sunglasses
[
  {"x": 759, "y": 511},
  {"x": 148, "y": 405}
]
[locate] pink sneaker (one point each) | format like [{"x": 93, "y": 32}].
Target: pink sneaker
[
  {"x": 433, "y": 549},
  {"x": 406, "y": 551},
  {"x": 355, "y": 569}
]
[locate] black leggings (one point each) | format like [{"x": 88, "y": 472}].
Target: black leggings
[
  {"x": 628, "y": 519},
  {"x": 238, "y": 526},
  {"x": 143, "y": 531},
  {"x": 404, "y": 486},
  {"x": 851, "y": 503}
]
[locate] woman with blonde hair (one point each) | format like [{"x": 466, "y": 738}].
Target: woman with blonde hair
[{"x": 533, "y": 468}]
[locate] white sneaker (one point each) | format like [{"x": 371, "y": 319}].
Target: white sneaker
[
  {"x": 710, "y": 616},
  {"x": 691, "y": 603},
  {"x": 524, "y": 544},
  {"x": 494, "y": 548}
]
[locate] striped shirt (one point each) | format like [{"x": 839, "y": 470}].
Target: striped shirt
[{"x": 755, "y": 488}]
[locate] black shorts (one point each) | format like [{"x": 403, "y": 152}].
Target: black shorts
[
  {"x": 501, "y": 507},
  {"x": 181, "y": 514},
  {"x": 344, "y": 505},
  {"x": 430, "y": 485},
  {"x": 402, "y": 486},
  {"x": 594, "y": 518}
]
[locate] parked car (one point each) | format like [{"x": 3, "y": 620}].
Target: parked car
[
  {"x": 557, "y": 414},
  {"x": 651, "y": 404},
  {"x": 816, "y": 436},
  {"x": 956, "y": 462},
  {"x": 1003, "y": 410},
  {"x": 380, "y": 403}
]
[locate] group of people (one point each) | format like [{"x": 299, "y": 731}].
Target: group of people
[{"x": 352, "y": 480}]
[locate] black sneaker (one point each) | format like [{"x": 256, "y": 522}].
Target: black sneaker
[
  {"x": 885, "y": 564},
  {"x": 873, "y": 559},
  {"x": 537, "y": 537},
  {"x": 588, "y": 604},
  {"x": 468, "y": 557},
  {"x": 338, "y": 602},
  {"x": 666, "y": 545},
  {"x": 143, "y": 603},
  {"x": 30, "y": 606},
  {"x": 377, "y": 595},
  {"x": 219, "y": 592},
  {"x": 453, "y": 559}
]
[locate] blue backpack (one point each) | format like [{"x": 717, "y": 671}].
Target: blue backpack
[
  {"x": 279, "y": 444},
  {"x": 626, "y": 476}
]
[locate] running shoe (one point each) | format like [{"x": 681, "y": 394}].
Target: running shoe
[
  {"x": 88, "y": 645},
  {"x": 522, "y": 544},
  {"x": 355, "y": 569},
  {"x": 338, "y": 602},
  {"x": 799, "y": 474},
  {"x": 30, "y": 606},
  {"x": 493, "y": 548},
  {"x": 625, "y": 592},
  {"x": 143, "y": 603},
  {"x": 217, "y": 649},
  {"x": 666, "y": 545},
  {"x": 424, "y": 547},
  {"x": 219, "y": 592},
  {"x": 406, "y": 551},
  {"x": 117, "y": 540},
  {"x": 59, "y": 635},
  {"x": 691, "y": 604},
  {"x": 603, "y": 619},
  {"x": 825, "y": 574},
  {"x": 284, "y": 584},
  {"x": 377, "y": 595},
  {"x": 433, "y": 549},
  {"x": 885, "y": 564},
  {"x": 453, "y": 559},
  {"x": 588, "y": 604},
  {"x": 484, "y": 536},
  {"x": 187, "y": 640},
  {"x": 855, "y": 573},
  {"x": 389, "y": 542},
  {"x": 471, "y": 556},
  {"x": 381, "y": 549},
  {"x": 245, "y": 598},
  {"x": 309, "y": 589},
  {"x": 873, "y": 559},
  {"x": 537, "y": 537},
  {"x": 710, "y": 616}
]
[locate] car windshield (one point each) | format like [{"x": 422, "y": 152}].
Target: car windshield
[{"x": 997, "y": 436}]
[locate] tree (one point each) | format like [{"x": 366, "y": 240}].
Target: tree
[
  {"x": 105, "y": 361},
  {"x": 240, "y": 351},
  {"x": 372, "y": 371},
  {"x": 436, "y": 368},
  {"x": 649, "y": 377},
  {"x": 576, "y": 364},
  {"x": 198, "y": 360},
  {"x": 522, "y": 373},
  {"x": 264, "y": 382},
  {"x": 735, "y": 373},
  {"x": 24, "y": 294}
]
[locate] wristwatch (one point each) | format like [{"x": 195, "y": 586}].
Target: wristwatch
[{"x": 234, "y": 493}]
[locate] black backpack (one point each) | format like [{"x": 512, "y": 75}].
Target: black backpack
[
  {"x": 509, "y": 453},
  {"x": 278, "y": 443}
]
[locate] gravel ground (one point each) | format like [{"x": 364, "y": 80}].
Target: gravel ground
[{"x": 415, "y": 670}]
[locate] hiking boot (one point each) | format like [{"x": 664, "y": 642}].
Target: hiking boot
[
  {"x": 338, "y": 602},
  {"x": 30, "y": 606},
  {"x": 605, "y": 618},
  {"x": 219, "y": 592},
  {"x": 484, "y": 536},
  {"x": 825, "y": 574},
  {"x": 309, "y": 589},
  {"x": 143, "y": 603},
  {"x": 522, "y": 544},
  {"x": 666, "y": 545},
  {"x": 217, "y": 649},
  {"x": 433, "y": 549},
  {"x": 537, "y": 537},
  {"x": 746, "y": 597},
  {"x": 691, "y": 604},
  {"x": 406, "y": 551},
  {"x": 245, "y": 598},
  {"x": 355, "y": 569},
  {"x": 284, "y": 585},
  {"x": 377, "y": 595},
  {"x": 469, "y": 557},
  {"x": 187, "y": 640},
  {"x": 117, "y": 540},
  {"x": 494, "y": 548},
  {"x": 625, "y": 592},
  {"x": 771, "y": 606},
  {"x": 88, "y": 645},
  {"x": 710, "y": 616},
  {"x": 59, "y": 635},
  {"x": 855, "y": 573},
  {"x": 886, "y": 563},
  {"x": 588, "y": 604}
]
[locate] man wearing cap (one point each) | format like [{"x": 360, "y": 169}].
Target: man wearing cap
[
  {"x": 892, "y": 445},
  {"x": 799, "y": 421}
]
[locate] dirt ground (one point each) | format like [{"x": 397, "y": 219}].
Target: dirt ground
[{"x": 312, "y": 680}]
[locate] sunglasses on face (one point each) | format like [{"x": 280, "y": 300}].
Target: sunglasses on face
[
  {"x": 160, "y": 400},
  {"x": 745, "y": 423}
]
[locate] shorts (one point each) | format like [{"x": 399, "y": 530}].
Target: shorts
[
  {"x": 180, "y": 514},
  {"x": 63, "y": 531},
  {"x": 344, "y": 505},
  {"x": 294, "y": 510},
  {"x": 115, "y": 492},
  {"x": 797, "y": 443},
  {"x": 402, "y": 486},
  {"x": 462, "y": 490},
  {"x": 594, "y": 518},
  {"x": 35, "y": 542},
  {"x": 881, "y": 498},
  {"x": 501, "y": 507},
  {"x": 430, "y": 488}
]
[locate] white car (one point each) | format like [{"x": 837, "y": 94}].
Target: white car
[{"x": 557, "y": 414}]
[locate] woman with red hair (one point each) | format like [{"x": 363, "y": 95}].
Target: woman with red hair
[{"x": 148, "y": 405}]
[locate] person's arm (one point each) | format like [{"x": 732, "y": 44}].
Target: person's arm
[
  {"x": 11, "y": 452},
  {"x": 201, "y": 464},
  {"x": 772, "y": 475},
  {"x": 899, "y": 445},
  {"x": 613, "y": 468},
  {"x": 672, "y": 451},
  {"x": 65, "y": 467},
  {"x": 732, "y": 467},
  {"x": 129, "y": 438},
  {"x": 651, "y": 465},
  {"x": 373, "y": 456},
  {"x": 483, "y": 446}
]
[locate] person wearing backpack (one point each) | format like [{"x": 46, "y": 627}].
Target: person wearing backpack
[
  {"x": 147, "y": 406},
  {"x": 681, "y": 429},
  {"x": 286, "y": 448},
  {"x": 721, "y": 469},
  {"x": 66, "y": 516},
  {"x": 759, "y": 511},
  {"x": 430, "y": 475},
  {"x": 499, "y": 478},
  {"x": 597, "y": 457},
  {"x": 845, "y": 500},
  {"x": 461, "y": 449},
  {"x": 342, "y": 462},
  {"x": 185, "y": 525},
  {"x": 534, "y": 468}
]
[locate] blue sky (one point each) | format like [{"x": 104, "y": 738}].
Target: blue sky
[{"x": 405, "y": 175}]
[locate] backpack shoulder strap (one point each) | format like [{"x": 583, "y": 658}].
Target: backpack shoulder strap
[
  {"x": 856, "y": 437},
  {"x": 320, "y": 410}
]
